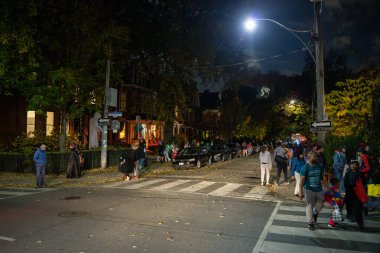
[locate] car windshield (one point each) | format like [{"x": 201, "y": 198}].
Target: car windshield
[{"x": 188, "y": 151}]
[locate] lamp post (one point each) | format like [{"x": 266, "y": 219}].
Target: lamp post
[{"x": 250, "y": 25}]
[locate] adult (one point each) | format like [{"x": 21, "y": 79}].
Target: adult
[
  {"x": 353, "y": 204},
  {"x": 281, "y": 157},
  {"x": 249, "y": 148},
  {"x": 244, "y": 147},
  {"x": 265, "y": 164},
  {"x": 311, "y": 189},
  {"x": 39, "y": 160},
  {"x": 339, "y": 163},
  {"x": 127, "y": 165},
  {"x": 139, "y": 157},
  {"x": 73, "y": 167},
  {"x": 364, "y": 165},
  {"x": 297, "y": 163}
]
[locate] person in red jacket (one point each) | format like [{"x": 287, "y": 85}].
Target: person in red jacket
[{"x": 365, "y": 167}]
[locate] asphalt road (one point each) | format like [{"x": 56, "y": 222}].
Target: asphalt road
[
  {"x": 117, "y": 220},
  {"x": 219, "y": 209}
]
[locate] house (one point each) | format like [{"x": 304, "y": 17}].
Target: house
[{"x": 210, "y": 109}]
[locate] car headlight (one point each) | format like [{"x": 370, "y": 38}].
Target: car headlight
[{"x": 192, "y": 160}]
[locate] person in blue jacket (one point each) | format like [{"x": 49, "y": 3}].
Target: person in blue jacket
[
  {"x": 39, "y": 160},
  {"x": 297, "y": 163}
]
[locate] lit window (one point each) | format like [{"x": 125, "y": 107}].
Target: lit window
[
  {"x": 30, "y": 123},
  {"x": 49, "y": 123},
  {"x": 123, "y": 132}
]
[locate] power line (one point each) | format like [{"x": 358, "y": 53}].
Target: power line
[{"x": 252, "y": 60}]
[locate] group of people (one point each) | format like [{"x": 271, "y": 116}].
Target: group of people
[
  {"x": 133, "y": 162},
  {"x": 308, "y": 167},
  {"x": 74, "y": 165},
  {"x": 165, "y": 153}
]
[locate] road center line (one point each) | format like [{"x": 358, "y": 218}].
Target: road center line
[
  {"x": 265, "y": 232},
  {"x": 7, "y": 239}
]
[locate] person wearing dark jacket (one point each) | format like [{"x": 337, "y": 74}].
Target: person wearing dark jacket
[
  {"x": 39, "y": 160},
  {"x": 73, "y": 167},
  {"x": 139, "y": 157},
  {"x": 127, "y": 165},
  {"x": 353, "y": 205}
]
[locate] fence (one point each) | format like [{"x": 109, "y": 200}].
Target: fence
[{"x": 57, "y": 162}]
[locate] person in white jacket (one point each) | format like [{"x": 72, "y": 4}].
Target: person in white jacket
[{"x": 265, "y": 159}]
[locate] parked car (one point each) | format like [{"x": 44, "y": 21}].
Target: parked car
[
  {"x": 219, "y": 152},
  {"x": 235, "y": 149},
  {"x": 193, "y": 156}
]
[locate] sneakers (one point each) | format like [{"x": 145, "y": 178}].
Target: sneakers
[
  {"x": 311, "y": 226},
  {"x": 331, "y": 224},
  {"x": 287, "y": 183},
  {"x": 262, "y": 184}
]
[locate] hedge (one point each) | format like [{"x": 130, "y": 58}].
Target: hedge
[{"x": 57, "y": 161}]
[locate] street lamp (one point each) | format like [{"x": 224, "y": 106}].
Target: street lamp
[{"x": 250, "y": 25}]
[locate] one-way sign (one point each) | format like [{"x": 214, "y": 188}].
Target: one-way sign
[{"x": 321, "y": 125}]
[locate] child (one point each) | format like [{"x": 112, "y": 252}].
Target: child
[{"x": 333, "y": 197}]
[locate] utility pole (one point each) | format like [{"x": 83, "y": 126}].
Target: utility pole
[
  {"x": 103, "y": 154},
  {"x": 319, "y": 68}
]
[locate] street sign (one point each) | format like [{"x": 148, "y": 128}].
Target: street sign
[
  {"x": 115, "y": 114},
  {"x": 324, "y": 125},
  {"x": 103, "y": 121}
]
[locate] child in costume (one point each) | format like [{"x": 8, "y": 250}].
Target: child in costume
[{"x": 335, "y": 200}]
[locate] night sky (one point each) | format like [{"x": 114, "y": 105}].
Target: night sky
[{"x": 349, "y": 26}]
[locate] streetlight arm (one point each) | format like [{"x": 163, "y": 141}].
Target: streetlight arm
[{"x": 293, "y": 32}]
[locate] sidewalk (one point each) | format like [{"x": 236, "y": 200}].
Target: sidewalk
[{"x": 91, "y": 177}]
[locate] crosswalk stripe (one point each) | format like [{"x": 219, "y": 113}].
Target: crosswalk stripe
[
  {"x": 271, "y": 247},
  {"x": 256, "y": 192},
  {"x": 298, "y": 218},
  {"x": 324, "y": 233},
  {"x": 146, "y": 183},
  {"x": 196, "y": 187},
  {"x": 225, "y": 190},
  {"x": 301, "y": 209},
  {"x": 169, "y": 185},
  {"x": 321, "y": 220}
]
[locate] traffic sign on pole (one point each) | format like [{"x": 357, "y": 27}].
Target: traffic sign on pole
[{"x": 324, "y": 125}]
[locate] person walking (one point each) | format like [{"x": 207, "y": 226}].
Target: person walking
[
  {"x": 127, "y": 165},
  {"x": 335, "y": 200},
  {"x": 353, "y": 205},
  {"x": 281, "y": 159},
  {"x": 73, "y": 165},
  {"x": 338, "y": 167},
  {"x": 39, "y": 160},
  {"x": 265, "y": 164},
  {"x": 297, "y": 163},
  {"x": 249, "y": 148},
  {"x": 244, "y": 146},
  {"x": 311, "y": 189},
  {"x": 139, "y": 157}
]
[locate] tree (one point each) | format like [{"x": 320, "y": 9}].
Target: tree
[{"x": 350, "y": 107}]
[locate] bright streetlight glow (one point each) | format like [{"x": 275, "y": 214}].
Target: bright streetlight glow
[{"x": 250, "y": 24}]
